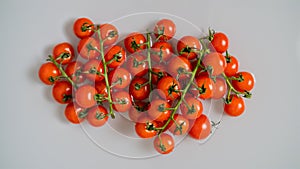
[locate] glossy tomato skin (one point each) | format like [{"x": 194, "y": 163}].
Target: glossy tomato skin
[
  {"x": 161, "y": 51},
  {"x": 134, "y": 42},
  {"x": 236, "y": 107},
  {"x": 137, "y": 65},
  {"x": 109, "y": 34},
  {"x": 232, "y": 66},
  {"x": 179, "y": 64},
  {"x": 65, "y": 51},
  {"x": 157, "y": 110},
  {"x": 180, "y": 127},
  {"x": 86, "y": 48},
  {"x": 139, "y": 88},
  {"x": 216, "y": 61},
  {"x": 101, "y": 88},
  {"x": 74, "y": 113},
  {"x": 159, "y": 71},
  {"x": 74, "y": 71},
  {"x": 164, "y": 29},
  {"x": 84, "y": 96},
  {"x": 122, "y": 101},
  {"x": 246, "y": 84},
  {"x": 164, "y": 143},
  {"x": 185, "y": 46},
  {"x": 220, "y": 88},
  {"x": 115, "y": 56},
  {"x": 141, "y": 127},
  {"x": 119, "y": 78},
  {"x": 78, "y": 28},
  {"x": 62, "y": 92},
  {"x": 139, "y": 110},
  {"x": 48, "y": 73},
  {"x": 206, "y": 85},
  {"x": 97, "y": 116},
  {"x": 93, "y": 70},
  {"x": 220, "y": 42},
  {"x": 167, "y": 84},
  {"x": 201, "y": 128},
  {"x": 192, "y": 109}
]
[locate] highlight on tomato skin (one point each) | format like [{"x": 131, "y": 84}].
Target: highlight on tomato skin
[
  {"x": 201, "y": 128},
  {"x": 164, "y": 29},
  {"x": 74, "y": 113},
  {"x": 84, "y": 96},
  {"x": 49, "y": 73}
]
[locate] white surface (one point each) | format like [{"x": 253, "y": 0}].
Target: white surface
[{"x": 263, "y": 35}]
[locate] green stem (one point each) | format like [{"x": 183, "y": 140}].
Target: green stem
[
  {"x": 149, "y": 60},
  {"x": 231, "y": 88}
]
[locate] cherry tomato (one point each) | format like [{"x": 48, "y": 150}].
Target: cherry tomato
[
  {"x": 143, "y": 127},
  {"x": 74, "y": 113},
  {"x": 157, "y": 110},
  {"x": 74, "y": 71},
  {"x": 158, "y": 72},
  {"x": 83, "y": 28},
  {"x": 139, "y": 88},
  {"x": 88, "y": 48},
  {"x": 135, "y": 42},
  {"x": 168, "y": 88},
  {"x": 180, "y": 126},
  {"x": 122, "y": 101},
  {"x": 186, "y": 46},
  {"x": 201, "y": 128},
  {"x": 109, "y": 34},
  {"x": 49, "y": 73},
  {"x": 97, "y": 116},
  {"x": 93, "y": 70},
  {"x": 192, "y": 108},
  {"x": 63, "y": 53},
  {"x": 164, "y": 143},
  {"x": 236, "y": 106},
  {"x": 216, "y": 62},
  {"x": 245, "y": 83},
  {"x": 138, "y": 110},
  {"x": 161, "y": 51},
  {"x": 115, "y": 56},
  {"x": 232, "y": 66},
  {"x": 220, "y": 88},
  {"x": 62, "y": 92},
  {"x": 84, "y": 96},
  {"x": 101, "y": 88},
  {"x": 205, "y": 86},
  {"x": 119, "y": 78},
  {"x": 164, "y": 29},
  {"x": 179, "y": 67},
  {"x": 137, "y": 65},
  {"x": 220, "y": 42}
]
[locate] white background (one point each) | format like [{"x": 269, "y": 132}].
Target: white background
[{"x": 264, "y": 35}]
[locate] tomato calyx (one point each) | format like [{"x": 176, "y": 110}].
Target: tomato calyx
[
  {"x": 138, "y": 86},
  {"x": 135, "y": 46},
  {"x": 86, "y": 26},
  {"x": 211, "y": 33},
  {"x": 66, "y": 97},
  {"x": 172, "y": 88},
  {"x": 100, "y": 115},
  {"x": 83, "y": 113},
  {"x": 160, "y": 32},
  {"x": 100, "y": 98}
]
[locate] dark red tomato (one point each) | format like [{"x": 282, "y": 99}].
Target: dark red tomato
[
  {"x": 187, "y": 46},
  {"x": 101, "y": 88},
  {"x": 138, "y": 110},
  {"x": 180, "y": 126},
  {"x": 236, "y": 106},
  {"x": 74, "y": 71},
  {"x": 62, "y": 92},
  {"x": 164, "y": 143},
  {"x": 179, "y": 67},
  {"x": 135, "y": 42},
  {"x": 93, "y": 70},
  {"x": 122, "y": 101},
  {"x": 232, "y": 66},
  {"x": 164, "y": 29},
  {"x": 115, "y": 56},
  {"x": 220, "y": 88},
  {"x": 220, "y": 42},
  {"x": 139, "y": 88},
  {"x": 201, "y": 128},
  {"x": 161, "y": 51},
  {"x": 137, "y": 65},
  {"x": 158, "y": 72},
  {"x": 245, "y": 83},
  {"x": 143, "y": 127},
  {"x": 216, "y": 62},
  {"x": 158, "y": 110},
  {"x": 119, "y": 78},
  {"x": 84, "y": 96},
  {"x": 83, "y": 28},
  {"x": 168, "y": 88},
  {"x": 49, "y": 73},
  {"x": 97, "y": 116},
  {"x": 205, "y": 86},
  {"x": 191, "y": 108},
  {"x": 109, "y": 34},
  {"x": 63, "y": 53},
  {"x": 74, "y": 113},
  {"x": 88, "y": 48}
]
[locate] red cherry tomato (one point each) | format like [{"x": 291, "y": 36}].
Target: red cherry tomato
[
  {"x": 157, "y": 110},
  {"x": 49, "y": 73},
  {"x": 119, "y": 78},
  {"x": 236, "y": 106},
  {"x": 168, "y": 88},
  {"x": 232, "y": 66},
  {"x": 220, "y": 88},
  {"x": 109, "y": 34},
  {"x": 158, "y": 72},
  {"x": 84, "y": 96},
  {"x": 101, "y": 88},
  {"x": 122, "y": 101},
  {"x": 216, "y": 62},
  {"x": 180, "y": 126},
  {"x": 220, "y": 42},
  {"x": 142, "y": 130},
  {"x": 88, "y": 48},
  {"x": 137, "y": 65},
  {"x": 97, "y": 116},
  {"x": 164, "y": 29},
  {"x": 205, "y": 86},
  {"x": 115, "y": 56},
  {"x": 93, "y": 70},
  {"x": 63, "y": 53},
  {"x": 62, "y": 92},
  {"x": 192, "y": 108},
  {"x": 186, "y": 46},
  {"x": 135, "y": 42},
  {"x": 74, "y": 71},
  {"x": 74, "y": 113},
  {"x": 246, "y": 82},
  {"x": 179, "y": 67},
  {"x": 138, "y": 110},
  {"x": 164, "y": 143},
  {"x": 161, "y": 51},
  {"x": 201, "y": 128},
  {"x": 139, "y": 88},
  {"x": 83, "y": 28}
]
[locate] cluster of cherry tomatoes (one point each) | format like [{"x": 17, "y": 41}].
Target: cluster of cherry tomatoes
[{"x": 158, "y": 80}]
